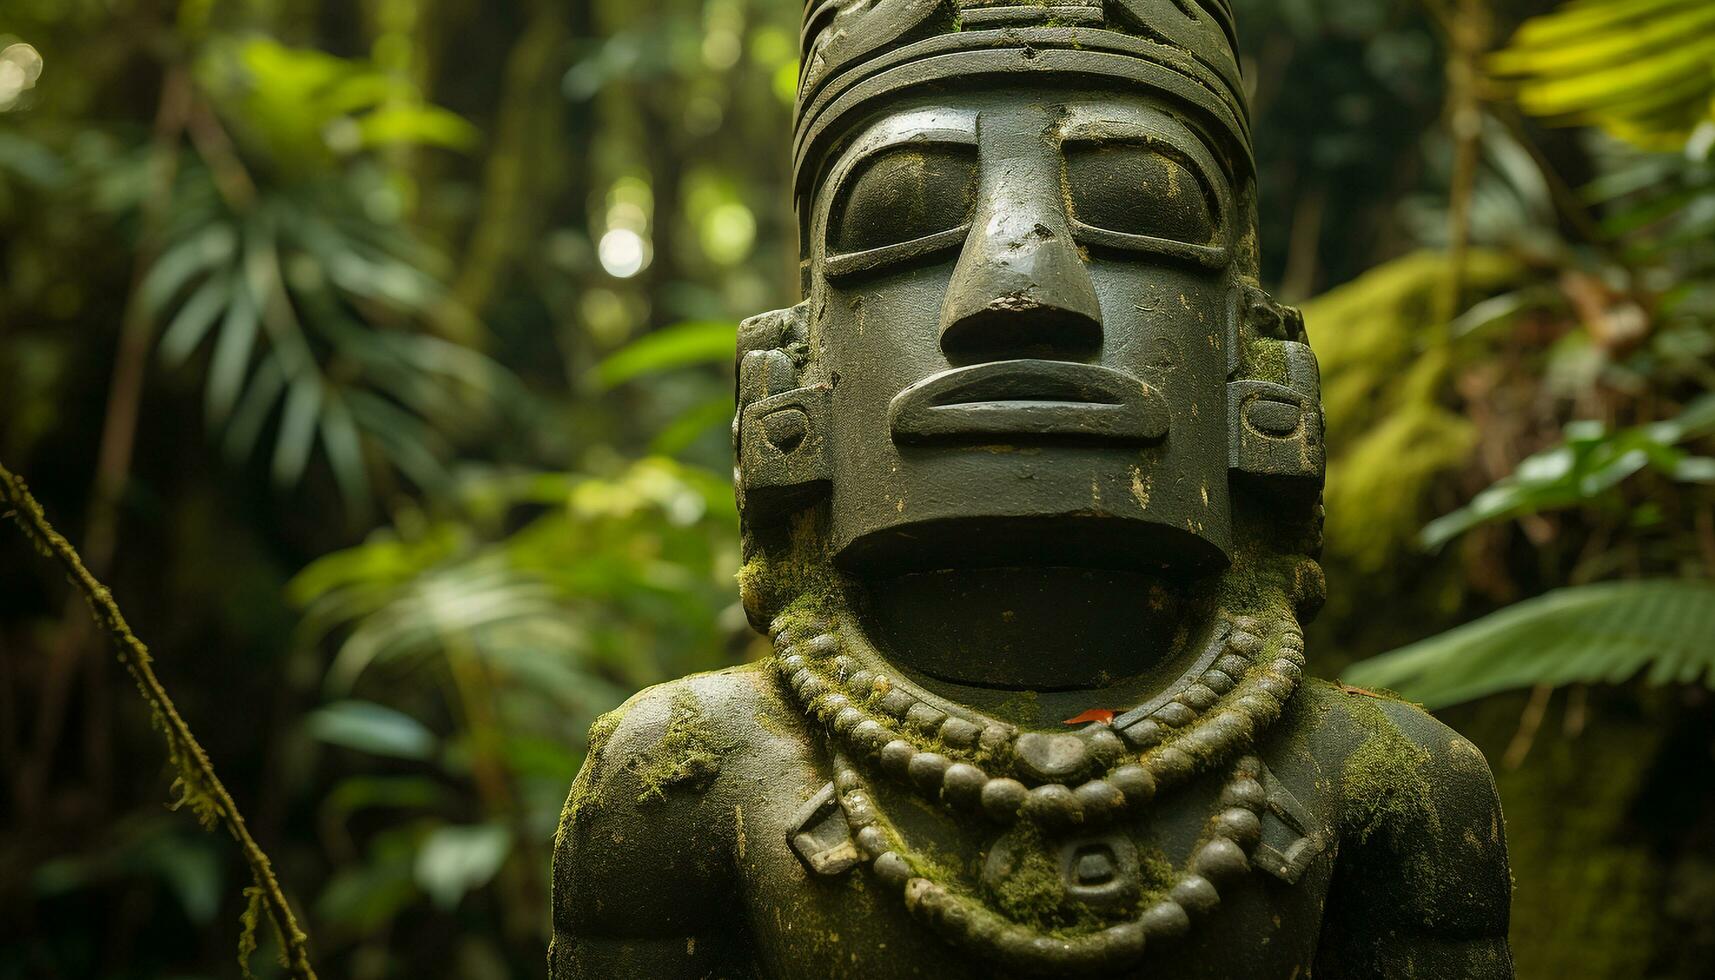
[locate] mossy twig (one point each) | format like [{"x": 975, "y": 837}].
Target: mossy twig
[{"x": 197, "y": 785}]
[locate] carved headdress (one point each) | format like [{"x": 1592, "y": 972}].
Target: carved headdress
[{"x": 857, "y": 52}]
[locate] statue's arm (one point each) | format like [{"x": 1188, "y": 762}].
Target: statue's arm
[
  {"x": 642, "y": 885},
  {"x": 1422, "y": 887}
]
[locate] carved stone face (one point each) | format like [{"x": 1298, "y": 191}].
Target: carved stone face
[{"x": 1026, "y": 304}]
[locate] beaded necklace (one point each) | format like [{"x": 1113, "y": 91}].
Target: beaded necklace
[{"x": 880, "y": 723}]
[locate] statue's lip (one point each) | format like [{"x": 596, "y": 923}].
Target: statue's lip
[{"x": 1029, "y": 398}]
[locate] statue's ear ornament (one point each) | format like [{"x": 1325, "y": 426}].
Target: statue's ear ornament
[
  {"x": 1276, "y": 429},
  {"x": 780, "y": 430}
]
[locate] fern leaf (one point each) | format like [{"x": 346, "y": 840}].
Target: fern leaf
[{"x": 1606, "y": 633}]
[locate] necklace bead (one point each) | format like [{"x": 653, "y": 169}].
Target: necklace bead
[{"x": 1002, "y": 799}]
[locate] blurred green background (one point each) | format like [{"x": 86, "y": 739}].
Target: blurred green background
[{"x": 378, "y": 354}]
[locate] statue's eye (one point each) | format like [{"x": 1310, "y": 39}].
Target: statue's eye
[
  {"x": 1140, "y": 190},
  {"x": 905, "y": 195}
]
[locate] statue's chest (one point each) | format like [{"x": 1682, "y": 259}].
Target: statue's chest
[{"x": 835, "y": 916}]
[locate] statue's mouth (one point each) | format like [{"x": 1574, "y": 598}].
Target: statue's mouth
[{"x": 1026, "y": 399}]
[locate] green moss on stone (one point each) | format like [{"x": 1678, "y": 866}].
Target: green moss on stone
[
  {"x": 1157, "y": 875},
  {"x": 1386, "y": 785},
  {"x": 688, "y": 755},
  {"x": 1034, "y": 892},
  {"x": 603, "y": 729},
  {"x": 1265, "y": 359},
  {"x": 580, "y": 796},
  {"x": 792, "y": 572}
]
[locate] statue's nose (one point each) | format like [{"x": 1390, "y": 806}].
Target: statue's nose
[{"x": 1020, "y": 288}]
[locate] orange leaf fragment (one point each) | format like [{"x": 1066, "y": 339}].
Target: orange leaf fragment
[{"x": 1103, "y": 715}]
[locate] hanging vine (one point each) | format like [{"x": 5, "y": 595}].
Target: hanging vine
[{"x": 196, "y": 785}]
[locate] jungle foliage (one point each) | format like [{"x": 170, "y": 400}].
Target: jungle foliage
[{"x": 378, "y": 355}]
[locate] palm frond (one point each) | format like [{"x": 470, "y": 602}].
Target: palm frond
[
  {"x": 1643, "y": 70},
  {"x": 313, "y": 324},
  {"x": 622, "y": 577}
]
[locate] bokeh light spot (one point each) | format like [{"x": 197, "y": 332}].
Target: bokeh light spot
[
  {"x": 623, "y": 253},
  {"x": 728, "y": 233},
  {"x": 20, "y": 66}
]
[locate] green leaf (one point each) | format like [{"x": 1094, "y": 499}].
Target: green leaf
[
  {"x": 464, "y": 601},
  {"x": 1695, "y": 469},
  {"x": 187, "y": 863},
  {"x": 181, "y": 262},
  {"x": 345, "y": 453},
  {"x": 1592, "y": 634},
  {"x": 302, "y": 107},
  {"x": 373, "y": 728},
  {"x": 680, "y": 345},
  {"x": 356, "y": 793},
  {"x": 361, "y": 899},
  {"x": 385, "y": 281},
  {"x": 232, "y": 349},
  {"x": 407, "y": 125},
  {"x": 32, "y": 161},
  {"x": 190, "y": 325},
  {"x": 456, "y": 860},
  {"x": 191, "y": 868},
  {"x": 297, "y": 429},
  {"x": 1588, "y": 466},
  {"x": 408, "y": 443},
  {"x": 254, "y": 408},
  {"x": 1696, "y": 419},
  {"x": 383, "y": 560}
]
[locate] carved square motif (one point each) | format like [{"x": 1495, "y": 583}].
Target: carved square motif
[
  {"x": 821, "y": 837},
  {"x": 1290, "y": 839}
]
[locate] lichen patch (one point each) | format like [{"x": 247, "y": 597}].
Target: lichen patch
[{"x": 1140, "y": 487}]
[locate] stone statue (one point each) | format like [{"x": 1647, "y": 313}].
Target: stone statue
[{"x": 1030, "y": 486}]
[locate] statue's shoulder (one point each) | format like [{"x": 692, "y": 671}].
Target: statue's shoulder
[
  {"x": 1397, "y": 766},
  {"x": 649, "y": 825},
  {"x": 1410, "y": 792},
  {"x": 1421, "y": 875},
  {"x": 667, "y": 748}
]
